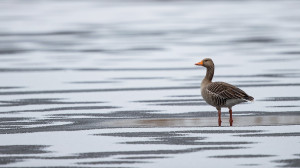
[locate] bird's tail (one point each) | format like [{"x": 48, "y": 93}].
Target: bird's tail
[{"x": 250, "y": 98}]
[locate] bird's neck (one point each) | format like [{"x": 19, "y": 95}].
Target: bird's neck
[{"x": 209, "y": 75}]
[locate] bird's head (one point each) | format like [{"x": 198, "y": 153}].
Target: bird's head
[{"x": 206, "y": 62}]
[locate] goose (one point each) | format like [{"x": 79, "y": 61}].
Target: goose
[{"x": 220, "y": 94}]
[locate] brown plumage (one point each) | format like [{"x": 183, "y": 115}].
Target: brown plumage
[{"x": 220, "y": 94}]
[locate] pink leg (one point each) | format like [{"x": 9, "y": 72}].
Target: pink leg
[
  {"x": 219, "y": 114},
  {"x": 230, "y": 120}
]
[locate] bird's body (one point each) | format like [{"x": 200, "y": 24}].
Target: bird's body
[{"x": 220, "y": 94}]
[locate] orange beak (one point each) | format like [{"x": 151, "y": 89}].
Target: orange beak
[{"x": 199, "y": 63}]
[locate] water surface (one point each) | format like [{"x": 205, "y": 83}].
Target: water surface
[{"x": 113, "y": 83}]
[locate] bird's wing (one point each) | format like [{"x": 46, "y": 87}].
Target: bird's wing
[{"x": 226, "y": 91}]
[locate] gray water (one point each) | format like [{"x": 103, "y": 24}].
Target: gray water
[{"x": 113, "y": 83}]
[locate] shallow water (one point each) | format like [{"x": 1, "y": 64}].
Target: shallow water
[{"x": 113, "y": 83}]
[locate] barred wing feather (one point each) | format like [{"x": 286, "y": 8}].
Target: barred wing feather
[{"x": 222, "y": 90}]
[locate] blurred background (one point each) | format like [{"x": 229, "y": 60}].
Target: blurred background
[{"x": 113, "y": 83}]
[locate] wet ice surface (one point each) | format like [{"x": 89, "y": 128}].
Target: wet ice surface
[{"x": 113, "y": 83}]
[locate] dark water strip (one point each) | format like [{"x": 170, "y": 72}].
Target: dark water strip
[
  {"x": 241, "y": 156},
  {"x": 64, "y": 109}
]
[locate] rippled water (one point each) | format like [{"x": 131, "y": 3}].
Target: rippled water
[{"x": 113, "y": 83}]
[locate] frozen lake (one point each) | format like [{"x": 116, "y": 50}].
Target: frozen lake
[{"x": 113, "y": 83}]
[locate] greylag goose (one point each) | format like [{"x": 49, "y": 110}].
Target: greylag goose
[{"x": 220, "y": 94}]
